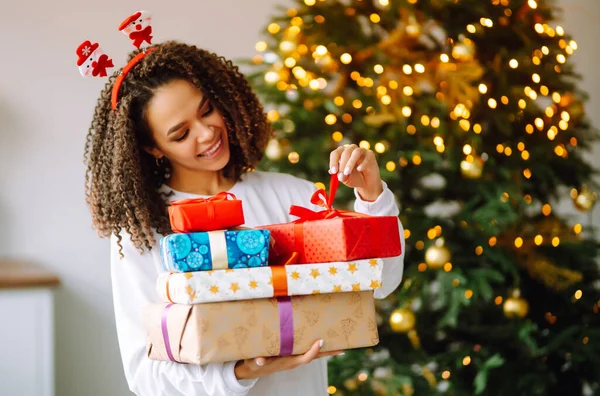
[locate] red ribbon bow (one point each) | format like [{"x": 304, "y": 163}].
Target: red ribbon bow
[
  {"x": 140, "y": 36},
  {"x": 321, "y": 198},
  {"x": 99, "y": 68},
  {"x": 222, "y": 196}
]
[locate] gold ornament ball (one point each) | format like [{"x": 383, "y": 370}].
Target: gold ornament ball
[
  {"x": 463, "y": 52},
  {"x": 515, "y": 306},
  {"x": 437, "y": 256},
  {"x": 472, "y": 169},
  {"x": 585, "y": 200},
  {"x": 402, "y": 320}
]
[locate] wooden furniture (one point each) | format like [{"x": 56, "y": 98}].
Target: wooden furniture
[{"x": 26, "y": 329}]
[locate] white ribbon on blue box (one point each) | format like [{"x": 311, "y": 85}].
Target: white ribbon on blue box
[{"x": 204, "y": 251}]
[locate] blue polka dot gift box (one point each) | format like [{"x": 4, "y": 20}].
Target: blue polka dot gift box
[{"x": 205, "y": 251}]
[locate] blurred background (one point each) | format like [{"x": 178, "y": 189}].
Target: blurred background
[{"x": 45, "y": 112}]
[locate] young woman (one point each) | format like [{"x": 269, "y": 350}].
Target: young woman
[{"x": 186, "y": 124}]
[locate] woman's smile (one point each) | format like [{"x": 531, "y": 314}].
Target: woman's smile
[{"x": 214, "y": 150}]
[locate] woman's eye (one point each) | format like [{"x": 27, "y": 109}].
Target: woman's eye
[
  {"x": 179, "y": 139},
  {"x": 209, "y": 110}
]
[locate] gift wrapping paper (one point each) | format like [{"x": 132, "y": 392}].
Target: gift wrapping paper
[
  {"x": 336, "y": 239},
  {"x": 237, "y": 330},
  {"x": 220, "y": 212},
  {"x": 273, "y": 281},
  {"x": 203, "y": 251}
]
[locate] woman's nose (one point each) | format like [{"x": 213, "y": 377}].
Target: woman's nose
[{"x": 206, "y": 133}]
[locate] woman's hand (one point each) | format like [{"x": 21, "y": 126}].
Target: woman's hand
[
  {"x": 357, "y": 168},
  {"x": 254, "y": 368}
]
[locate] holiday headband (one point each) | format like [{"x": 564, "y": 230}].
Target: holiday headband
[{"x": 93, "y": 62}]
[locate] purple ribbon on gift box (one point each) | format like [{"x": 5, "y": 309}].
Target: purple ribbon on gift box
[
  {"x": 165, "y": 332},
  {"x": 286, "y": 328}
]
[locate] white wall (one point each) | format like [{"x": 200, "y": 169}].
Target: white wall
[
  {"x": 580, "y": 19},
  {"x": 45, "y": 110}
]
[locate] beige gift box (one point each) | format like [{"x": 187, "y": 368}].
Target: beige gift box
[{"x": 236, "y": 330}]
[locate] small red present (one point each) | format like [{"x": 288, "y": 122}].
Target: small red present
[
  {"x": 223, "y": 211},
  {"x": 333, "y": 235}
]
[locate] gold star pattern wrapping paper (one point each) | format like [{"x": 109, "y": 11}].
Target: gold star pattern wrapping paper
[{"x": 264, "y": 282}]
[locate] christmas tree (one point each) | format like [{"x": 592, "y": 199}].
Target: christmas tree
[{"x": 479, "y": 128}]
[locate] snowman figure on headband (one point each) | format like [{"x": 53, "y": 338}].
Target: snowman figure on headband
[
  {"x": 91, "y": 60},
  {"x": 137, "y": 27}
]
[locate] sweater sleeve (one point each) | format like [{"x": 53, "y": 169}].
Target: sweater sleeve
[
  {"x": 133, "y": 284},
  {"x": 393, "y": 267}
]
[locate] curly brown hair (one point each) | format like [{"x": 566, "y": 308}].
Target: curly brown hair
[{"x": 122, "y": 180}]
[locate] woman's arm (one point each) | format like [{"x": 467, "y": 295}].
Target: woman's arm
[
  {"x": 133, "y": 283},
  {"x": 393, "y": 267},
  {"x": 357, "y": 167}
]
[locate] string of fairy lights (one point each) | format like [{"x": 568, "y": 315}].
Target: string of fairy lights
[
  {"x": 554, "y": 118},
  {"x": 472, "y": 165}
]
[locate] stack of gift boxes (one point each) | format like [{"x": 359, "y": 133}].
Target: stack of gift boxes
[{"x": 235, "y": 293}]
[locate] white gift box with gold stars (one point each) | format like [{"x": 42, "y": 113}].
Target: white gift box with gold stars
[{"x": 274, "y": 281}]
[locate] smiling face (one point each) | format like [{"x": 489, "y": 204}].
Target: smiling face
[
  {"x": 140, "y": 23},
  {"x": 187, "y": 129},
  {"x": 88, "y": 66}
]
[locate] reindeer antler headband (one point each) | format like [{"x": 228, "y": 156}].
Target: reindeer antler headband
[{"x": 93, "y": 62}]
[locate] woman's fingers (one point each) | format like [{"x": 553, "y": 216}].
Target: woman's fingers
[
  {"x": 310, "y": 355},
  {"x": 329, "y": 353},
  {"x": 356, "y": 158},
  {"x": 334, "y": 160},
  {"x": 366, "y": 161},
  {"x": 263, "y": 366},
  {"x": 257, "y": 363},
  {"x": 343, "y": 170}
]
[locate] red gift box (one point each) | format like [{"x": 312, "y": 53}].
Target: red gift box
[
  {"x": 223, "y": 211},
  {"x": 333, "y": 235}
]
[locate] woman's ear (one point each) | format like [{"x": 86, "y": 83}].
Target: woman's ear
[{"x": 155, "y": 152}]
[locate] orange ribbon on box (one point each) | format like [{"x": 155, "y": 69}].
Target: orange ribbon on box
[
  {"x": 280, "y": 287},
  {"x": 167, "y": 289}
]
